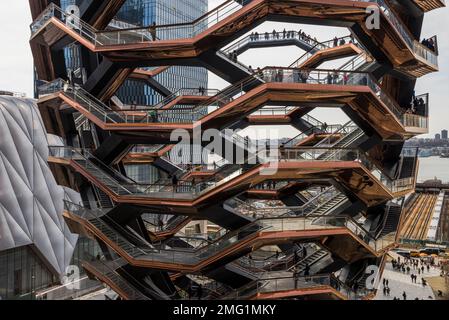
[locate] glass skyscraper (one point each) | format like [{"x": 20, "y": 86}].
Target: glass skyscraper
[{"x": 144, "y": 13}]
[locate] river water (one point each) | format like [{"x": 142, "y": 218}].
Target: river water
[{"x": 432, "y": 167}]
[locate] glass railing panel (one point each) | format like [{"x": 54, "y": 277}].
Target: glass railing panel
[
  {"x": 187, "y": 190},
  {"x": 274, "y": 111},
  {"x": 228, "y": 240},
  {"x": 189, "y": 115},
  {"x": 427, "y": 54},
  {"x": 169, "y": 32},
  {"x": 137, "y": 35},
  {"x": 72, "y": 21},
  {"x": 273, "y": 36},
  {"x": 322, "y": 46},
  {"x": 411, "y": 120},
  {"x": 190, "y": 30},
  {"x": 282, "y": 284}
]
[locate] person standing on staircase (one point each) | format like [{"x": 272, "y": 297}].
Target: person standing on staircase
[
  {"x": 153, "y": 31},
  {"x": 174, "y": 180}
]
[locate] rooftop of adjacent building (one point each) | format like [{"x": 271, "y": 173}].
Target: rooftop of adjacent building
[{"x": 12, "y": 94}]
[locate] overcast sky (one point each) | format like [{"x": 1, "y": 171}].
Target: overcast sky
[{"x": 16, "y": 63}]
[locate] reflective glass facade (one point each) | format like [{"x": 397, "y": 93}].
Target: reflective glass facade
[
  {"x": 22, "y": 273},
  {"x": 144, "y": 13}
]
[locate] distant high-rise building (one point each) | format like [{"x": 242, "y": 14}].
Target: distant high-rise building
[
  {"x": 162, "y": 12},
  {"x": 444, "y": 134},
  {"x": 438, "y": 136}
]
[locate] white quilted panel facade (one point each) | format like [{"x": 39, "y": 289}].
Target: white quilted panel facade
[{"x": 31, "y": 202}]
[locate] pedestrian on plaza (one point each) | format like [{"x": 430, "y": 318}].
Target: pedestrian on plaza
[
  {"x": 424, "y": 282},
  {"x": 388, "y": 283},
  {"x": 422, "y": 269},
  {"x": 404, "y": 295},
  {"x": 388, "y": 291}
]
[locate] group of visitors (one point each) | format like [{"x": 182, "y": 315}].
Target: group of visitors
[
  {"x": 429, "y": 43},
  {"x": 202, "y": 90},
  {"x": 303, "y": 75},
  {"x": 334, "y": 78},
  {"x": 416, "y": 105},
  {"x": 386, "y": 287},
  {"x": 408, "y": 265},
  {"x": 233, "y": 56},
  {"x": 269, "y": 185},
  {"x": 342, "y": 41},
  {"x": 413, "y": 267},
  {"x": 285, "y": 34}
]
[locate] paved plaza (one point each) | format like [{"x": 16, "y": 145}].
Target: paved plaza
[{"x": 400, "y": 282}]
